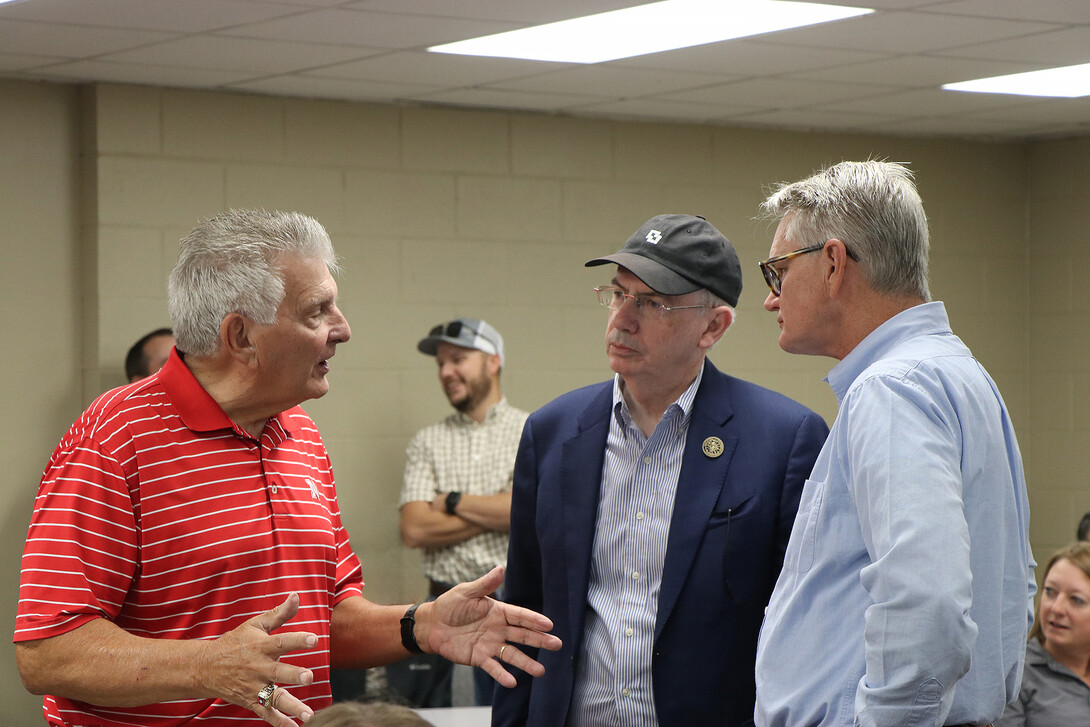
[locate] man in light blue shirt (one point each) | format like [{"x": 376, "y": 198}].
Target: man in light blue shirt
[{"x": 906, "y": 591}]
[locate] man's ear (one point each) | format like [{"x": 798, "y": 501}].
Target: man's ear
[
  {"x": 717, "y": 326},
  {"x": 493, "y": 364},
  {"x": 835, "y": 266},
  {"x": 236, "y": 338}
]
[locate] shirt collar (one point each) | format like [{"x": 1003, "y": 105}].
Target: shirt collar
[
  {"x": 1036, "y": 655},
  {"x": 196, "y": 407},
  {"x": 683, "y": 407},
  {"x": 493, "y": 412},
  {"x": 918, "y": 320}
]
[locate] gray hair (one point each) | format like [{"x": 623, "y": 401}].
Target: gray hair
[
  {"x": 874, "y": 209},
  {"x": 231, "y": 263}
]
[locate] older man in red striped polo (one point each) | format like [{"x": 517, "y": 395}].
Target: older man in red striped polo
[{"x": 186, "y": 518}]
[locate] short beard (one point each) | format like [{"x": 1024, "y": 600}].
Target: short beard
[{"x": 477, "y": 390}]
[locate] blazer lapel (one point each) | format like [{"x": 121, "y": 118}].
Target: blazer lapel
[
  {"x": 581, "y": 480},
  {"x": 699, "y": 485}
]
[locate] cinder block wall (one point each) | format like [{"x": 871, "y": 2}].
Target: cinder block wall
[
  {"x": 442, "y": 212},
  {"x": 1057, "y": 300}
]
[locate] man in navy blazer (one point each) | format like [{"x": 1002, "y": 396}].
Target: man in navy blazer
[{"x": 651, "y": 513}]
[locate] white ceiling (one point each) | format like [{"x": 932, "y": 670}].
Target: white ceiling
[{"x": 877, "y": 73}]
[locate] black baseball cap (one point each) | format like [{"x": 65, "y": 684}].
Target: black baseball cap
[{"x": 677, "y": 254}]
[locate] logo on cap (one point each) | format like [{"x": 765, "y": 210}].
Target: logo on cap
[{"x": 653, "y": 237}]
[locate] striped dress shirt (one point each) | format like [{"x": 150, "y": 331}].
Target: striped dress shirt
[{"x": 639, "y": 482}]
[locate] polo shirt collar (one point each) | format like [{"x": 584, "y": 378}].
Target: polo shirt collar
[{"x": 196, "y": 407}]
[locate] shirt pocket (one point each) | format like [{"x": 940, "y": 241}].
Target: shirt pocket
[{"x": 800, "y": 548}]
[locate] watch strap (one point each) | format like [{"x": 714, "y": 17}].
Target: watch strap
[{"x": 408, "y": 630}]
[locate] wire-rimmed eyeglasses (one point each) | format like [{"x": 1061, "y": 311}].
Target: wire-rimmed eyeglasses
[
  {"x": 772, "y": 275},
  {"x": 613, "y": 298}
]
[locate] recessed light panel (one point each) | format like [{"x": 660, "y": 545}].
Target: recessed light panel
[
  {"x": 648, "y": 29},
  {"x": 1066, "y": 82}
]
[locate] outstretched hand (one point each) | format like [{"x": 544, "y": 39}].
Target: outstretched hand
[
  {"x": 464, "y": 625},
  {"x": 245, "y": 659}
]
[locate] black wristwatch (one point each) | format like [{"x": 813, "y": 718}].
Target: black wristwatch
[
  {"x": 408, "y": 630},
  {"x": 453, "y": 498}
]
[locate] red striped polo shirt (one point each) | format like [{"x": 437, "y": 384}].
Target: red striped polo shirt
[{"x": 157, "y": 512}]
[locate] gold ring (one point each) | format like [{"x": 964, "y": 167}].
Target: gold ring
[
  {"x": 500, "y": 655},
  {"x": 264, "y": 697}
]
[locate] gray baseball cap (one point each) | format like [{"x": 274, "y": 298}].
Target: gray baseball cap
[
  {"x": 677, "y": 254},
  {"x": 467, "y": 333}
]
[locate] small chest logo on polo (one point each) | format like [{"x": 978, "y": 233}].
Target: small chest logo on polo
[
  {"x": 713, "y": 447},
  {"x": 313, "y": 488},
  {"x": 653, "y": 237}
]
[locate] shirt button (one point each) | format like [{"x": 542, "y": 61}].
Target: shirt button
[
  {"x": 625, "y": 692},
  {"x": 647, "y": 460},
  {"x": 635, "y": 575},
  {"x": 639, "y": 516},
  {"x": 628, "y": 632}
]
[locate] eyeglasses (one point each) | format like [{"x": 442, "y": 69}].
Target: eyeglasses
[
  {"x": 450, "y": 330},
  {"x": 772, "y": 275},
  {"x": 613, "y": 298}
]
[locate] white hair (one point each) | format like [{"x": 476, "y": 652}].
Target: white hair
[
  {"x": 232, "y": 263},
  {"x": 874, "y": 209}
]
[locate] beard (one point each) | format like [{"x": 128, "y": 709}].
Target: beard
[{"x": 477, "y": 389}]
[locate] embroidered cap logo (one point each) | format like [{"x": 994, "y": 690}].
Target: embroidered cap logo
[{"x": 653, "y": 237}]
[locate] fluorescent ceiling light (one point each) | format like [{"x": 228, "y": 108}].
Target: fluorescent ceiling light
[
  {"x": 647, "y": 29},
  {"x": 1067, "y": 82}
]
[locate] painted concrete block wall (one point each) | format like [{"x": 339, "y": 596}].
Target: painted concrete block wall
[
  {"x": 40, "y": 324},
  {"x": 1058, "y": 304}
]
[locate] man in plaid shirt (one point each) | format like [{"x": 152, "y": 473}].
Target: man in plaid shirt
[{"x": 456, "y": 501}]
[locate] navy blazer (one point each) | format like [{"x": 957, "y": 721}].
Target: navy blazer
[{"x": 731, "y": 521}]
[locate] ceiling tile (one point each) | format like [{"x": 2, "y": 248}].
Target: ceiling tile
[
  {"x": 1061, "y": 47},
  {"x": 748, "y": 57},
  {"x": 435, "y": 68},
  {"x": 71, "y": 41},
  {"x": 1049, "y": 11},
  {"x": 333, "y": 88},
  {"x": 612, "y": 81},
  {"x": 19, "y": 62},
  {"x": 495, "y": 99},
  {"x": 906, "y": 32},
  {"x": 915, "y": 71},
  {"x": 777, "y": 93},
  {"x": 519, "y": 12},
  {"x": 932, "y": 102},
  {"x": 379, "y": 30},
  {"x": 181, "y": 16},
  {"x": 258, "y": 56},
  {"x": 661, "y": 110},
  {"x": 83, "y": 71}
]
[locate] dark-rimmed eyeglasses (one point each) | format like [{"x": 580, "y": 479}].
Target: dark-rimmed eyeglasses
[
  {"x": 772, "y": 275},
  {"x": 613, "y": 298}
]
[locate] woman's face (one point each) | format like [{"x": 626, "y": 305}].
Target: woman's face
[{"x": 1065, "y": 607}]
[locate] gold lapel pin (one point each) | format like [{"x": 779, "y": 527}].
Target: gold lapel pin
[{"x": 713, "y": 447}]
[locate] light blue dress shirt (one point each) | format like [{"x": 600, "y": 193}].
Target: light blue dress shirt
[
  {"x": 639, "y": 484},
  {"x": 907, "y": 589}
]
